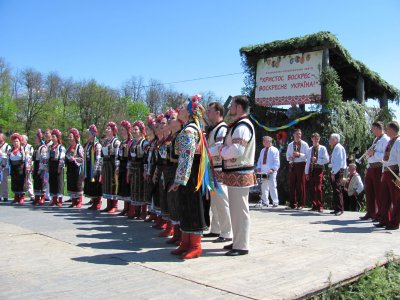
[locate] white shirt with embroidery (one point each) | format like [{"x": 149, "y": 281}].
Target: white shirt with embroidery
[
  {"x": 380, "y": 148},
  {"x": 236, "y": 150},
  {"x": 273, "y": 160},
  {"x": 394, "y": 156},
  {"x": 355, "y": 185},
  {"x": 322, "y": 158},
  {"x": 303, "y": 152}
]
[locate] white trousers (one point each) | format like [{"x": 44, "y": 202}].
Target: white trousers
[
  {"x": 240, "y": 216},
  {"x": 29, "y": 185},
  {"x": 269, "y": 187},
  {"x": 47, "y": 189},
  {"x": 4, "y": 186},
  {"x": 220, "y": 215}
]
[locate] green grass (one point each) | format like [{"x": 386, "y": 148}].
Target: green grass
[{"x": 382, "y": 282}]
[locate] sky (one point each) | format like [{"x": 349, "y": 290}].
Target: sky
[{"x": 111, "y": 41}]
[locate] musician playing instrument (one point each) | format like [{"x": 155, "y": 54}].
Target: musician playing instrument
[
  {"x": 390, "y": 191},
  {"x": 373, "y": 173},
  {"x": 317, "y": 157}
]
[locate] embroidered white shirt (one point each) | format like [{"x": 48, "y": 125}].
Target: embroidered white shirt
[
  {"x": 303, "y": 152},
  {"x": 322, "y": 158},
  {"x": 273, "y": 161}
]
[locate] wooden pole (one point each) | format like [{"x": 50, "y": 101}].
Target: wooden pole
[
  {"x": 325, "y": 63},
  {"x": 383, "y": 102},
  {"x": 360, "y": 92}
]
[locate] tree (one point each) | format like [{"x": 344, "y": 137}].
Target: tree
[
  {"x": 7, "y": 107},
  {"x": 138, "y": 111},
  {"x": 208, "y": 97},
  {"x": 33, "y": 97},
  {"x": 174, "y": 99},
  {"x": 155, "y": 96},
  {"x": 133, "y": 88},
  {"x": 96, "y": 104}
]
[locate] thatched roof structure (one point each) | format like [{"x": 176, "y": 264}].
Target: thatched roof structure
[{"x": 348, "y": 68}]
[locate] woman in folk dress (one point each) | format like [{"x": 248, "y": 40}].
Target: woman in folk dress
[
  {"x": 74, "y": 162},
  {"x": 18, "y": 164},
  {"x": 92, "y": 166},
  {"x": 137, "y": 157},
  {"x": 55, "y": 165},
  {"x": 39, "y": 165},
  {"x": 121, "y": 167},
  {"x": 110, "y": 146}
]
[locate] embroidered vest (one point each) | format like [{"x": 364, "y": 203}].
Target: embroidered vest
[
  {"x": 246, "y": 161},
  {"x": 212, "y": 139}
]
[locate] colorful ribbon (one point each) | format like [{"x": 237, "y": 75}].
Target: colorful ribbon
[
  {"x": 294, "y": 122},
  {"x": 206, "y": 178}
]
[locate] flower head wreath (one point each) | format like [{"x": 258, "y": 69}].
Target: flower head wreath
[
  {"x": 39, "y": 135},
  {"x": 194, "y": 106},
  {"x": 57, "y": 133},
  {"x": 151, "y": 122},
  {"x": 16, "y": 136},
  {"x": 76, "y": 134},
  {"x": 168, "y": 114},
  {"x": 113, "y": 127},
  {"x": 141, "y": 126}
]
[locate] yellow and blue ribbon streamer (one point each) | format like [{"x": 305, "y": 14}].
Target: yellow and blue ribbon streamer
[{"x": 294, "y": 122}]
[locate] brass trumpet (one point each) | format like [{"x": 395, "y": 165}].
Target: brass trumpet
[
  {"x": 362, "y": 157},
  {"x": 394, "y": 175}
]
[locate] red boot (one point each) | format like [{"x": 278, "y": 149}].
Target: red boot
[
  {"x": 194, "y": 250},
  {"x": 74, "y": 200},
  {"x": 183, "y": 245},
  {"x": 59, "y": 203},
  {"x": 108, "y": 206},
  {"x": 114, "y": 206},
  {"x": 125, "y": 210},
  {"x": 164, "y": 224},
  {"x": 21, "y": 199},
  {"x": 177, "y": 235},
  {"x": 41, "y": 200},
  {"x": 79, "y": 202},
  {"x": 53, "y": 201},
  {"x": 131, "y": 211},
  {"x": 143, "y": 212},
  {"x": 168, "y": 231},
  {"x": 96, "y": 203}
]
